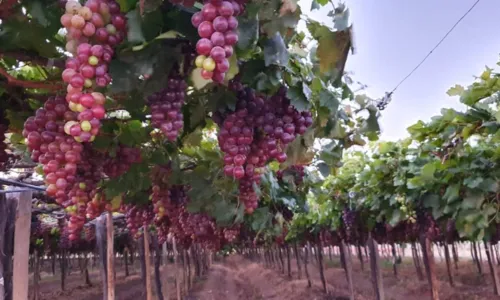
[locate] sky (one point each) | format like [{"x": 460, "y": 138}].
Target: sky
[{"x": 392, "y": 36}]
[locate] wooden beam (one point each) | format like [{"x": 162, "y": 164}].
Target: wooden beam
[
  {"x": 22, "y": 246},
  {"x": 147, "y": 261},
  {"x": 110, "y": 257}
]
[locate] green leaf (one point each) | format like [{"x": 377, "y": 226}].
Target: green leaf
[
  {"x": 341, "y": 18},
  {"x": 194, "y": 138},
  {"x": 395, "y": 217},
  {"x": 134, "y": 33},
  {"x": 472, "y": 200},
  {"x": 428, "y": 170},
  {"x": 281, "y": 24},
  {"x": 329, "y": 100},
  {"x": 371, "y": 124},
  {"x": 37, "y": 11},
  {"x": 275, "y": 51},
  {"x": 457, "y": 90},
  {"x": 248, "y": 32},
  {"x": 298, "y": 97},
  {"x": 431, "y": 201},
  {"x": 452, "y": 193},
  {"x": 323, "y": 168},
  {"x": 315, "y": 5}
]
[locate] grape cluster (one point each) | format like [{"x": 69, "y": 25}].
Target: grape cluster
[
  {"x": 426, "y": 223},
  {"x": 97, "y": 206},
  {"x": 166, "y": 105},
  {"x": 349, "y": 222},
  {"x": 257, "y": 132},
  {"x": 231, "y": 233},
  {"x": 58, "y": 153},
  {"x": 89, "y": 233},
  {"x": 92, "y": 32},
  {"x": 217, "y": 27},
  {"x": 119, "y": 161},
  {"x": 137, "y": 216}
]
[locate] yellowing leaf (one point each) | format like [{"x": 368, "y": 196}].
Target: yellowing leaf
[
  {"x": 116, "y": 202},
  {"x": 198, "y": 81},
  {"x": 171, "y": 34}
]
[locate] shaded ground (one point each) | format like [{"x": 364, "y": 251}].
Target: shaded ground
[{"x": 236, "y": 277}]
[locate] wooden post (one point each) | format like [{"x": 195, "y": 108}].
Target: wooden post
[
  {"x": 184, "y": 270},
  {"x": 100, "y": 234},
  {"x": 429, "y": 265},
  {"x": 3, "y": 223},
  {"x": 176, "y": 271},
  {"x": 8, "y": 249},
  {"x": 306, "y": 259},
  {"x": 394, "y": 261},
  {"x": 110, "y": 256},
  {"x": 416, "y": 261},
  {"x": 36, "y": 276},
  {"x": 448, "y": 264},
  {"x": 164, "y": 273},
  {"x": 288, "y": 261},
  {"x": 297, "y": 258},
  {"x": 455, "y": 255},
  {"x": 157, "y": 259},
  {"x": 378, "y": 284},
  {"x": 21, "y": 246},
  {"x": 493, "y": 268},
  {"x": 125, "y": 258},
  {"x": 147, "y": 262},
  {"x": 360, "y": 257},
  {"x": 348, "y": 269},
  {"x": 320, "y": 263},
  {"x": 282, "y": 265},
  {"x": 478, "y": 260}
]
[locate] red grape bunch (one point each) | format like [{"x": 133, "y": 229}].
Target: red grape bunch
[
  {"x": 92, "y": 32},
  {"x": 166, "y": 105},
  {"x": 118, "y": 162},
  {"x": 89, "y": 173},
  {"x": 217, "y": 27},
  {"x": 231, "y": 233},
  {"x": 256, "y": 133},
  {"x": 49, "y": 145},
  {"x": 137, "y": 217}
]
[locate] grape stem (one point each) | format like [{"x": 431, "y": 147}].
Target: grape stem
[{"x": 28, "y": 84}]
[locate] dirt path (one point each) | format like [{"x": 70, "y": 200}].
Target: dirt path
[
  {"x": 238, "y": 278},
  {"x": 224, "y": 281}
]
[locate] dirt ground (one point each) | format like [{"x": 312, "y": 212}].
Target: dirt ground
[{"x": 236, "y": 277}]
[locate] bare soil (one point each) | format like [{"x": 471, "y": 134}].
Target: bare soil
[{"x": 236, "y": 277}]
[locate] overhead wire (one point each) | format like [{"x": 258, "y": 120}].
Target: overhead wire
[{"x": 388, "y": 96}]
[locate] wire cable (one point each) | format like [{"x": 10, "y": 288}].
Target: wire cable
[{"x": 435, "y": 47}]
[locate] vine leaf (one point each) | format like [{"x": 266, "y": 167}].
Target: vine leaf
[
  {"x": 134, "y": 33},
  {"x": 333, "y": 48},
  {"x": 248, "y": 32},
  {"x": 299, "y": 96},
  {"x": 329, "y": 100},
  {"x": 457, "y": 90},
  {"x": 275, "y": 51}
]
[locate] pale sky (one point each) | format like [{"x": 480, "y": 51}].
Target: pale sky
[{"x": 393, "y": 36}]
